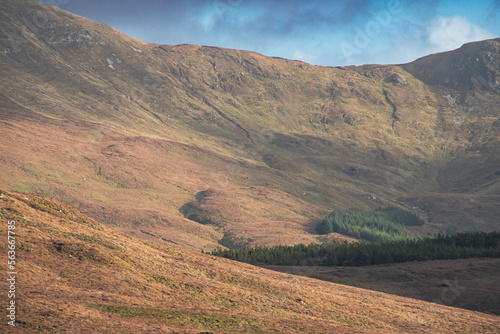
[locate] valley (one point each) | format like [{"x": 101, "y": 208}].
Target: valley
[{"x": 121, "y": 161}]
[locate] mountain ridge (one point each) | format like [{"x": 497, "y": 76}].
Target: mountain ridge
[{"x": 480, "y": 65}]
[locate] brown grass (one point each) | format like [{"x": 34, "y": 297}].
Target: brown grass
[
  {"x": 76, "y": 275},
  {"x": 282, "y": 142},
  {"x": 471, "y": 284}
]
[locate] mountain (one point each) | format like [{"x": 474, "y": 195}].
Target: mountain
[
  {"x": 76, "y": 275},
  {"x": 475, "y": 66},
  {"x": 204, "y": 147}
]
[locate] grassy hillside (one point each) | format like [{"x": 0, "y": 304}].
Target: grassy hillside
[
  {"x": 470, "y": 284},
  {"x": 76, "y": 275},
  {"x": 204, "y": 147}
]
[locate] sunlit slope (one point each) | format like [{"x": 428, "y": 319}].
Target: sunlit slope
[
  {"x": 76, "y": 275},
  {"x": 203, "y": 146}
]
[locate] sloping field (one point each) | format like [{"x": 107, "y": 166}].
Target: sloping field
[
  {"x": 471, "y": 284},
  {"x": 78, "y": 276}
]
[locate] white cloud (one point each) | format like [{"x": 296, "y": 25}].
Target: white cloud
[
  {"x": 448, "y": 33},
  {"x": 299, "y": 55}
]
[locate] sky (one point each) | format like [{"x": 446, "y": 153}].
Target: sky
[{"x": 320, "y": 32}]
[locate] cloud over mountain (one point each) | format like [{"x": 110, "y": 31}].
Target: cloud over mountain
[
  {"x": 446, "y": 33},
  {"x": 397, "y": 31}
]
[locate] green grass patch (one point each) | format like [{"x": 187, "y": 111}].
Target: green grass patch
[
  {"x": 165, "y": 281},
  {"x": 38, "y": 328},
  {"x": 94, "y": 240},
  {"x": 198, "y": 319}
]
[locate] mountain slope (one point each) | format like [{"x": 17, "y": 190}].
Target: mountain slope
[
  {"x": 471, "y": 284},
  {"x": 475, "y": 66},
  {"x": 76, "y": 275},
  {"x": 205, "y": 147}
]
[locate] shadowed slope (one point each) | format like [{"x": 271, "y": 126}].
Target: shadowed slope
[{"x": 471, "y": 284}]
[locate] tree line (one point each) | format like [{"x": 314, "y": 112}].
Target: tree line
[{"x": 441, "y": 247}]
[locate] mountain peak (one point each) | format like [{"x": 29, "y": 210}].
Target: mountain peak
[{"x": 474, "y": 66}]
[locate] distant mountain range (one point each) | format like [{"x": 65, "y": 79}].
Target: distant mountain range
[{"x": 206, "y": 147}]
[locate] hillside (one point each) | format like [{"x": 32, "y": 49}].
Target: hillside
[
  {"x": 76, "y": 275},
  {"x": 203, "y": 147},
  {"x": 471, "y": 284}
]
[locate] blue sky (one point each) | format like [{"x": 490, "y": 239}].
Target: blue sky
[{"x": 320, "y": 32}]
